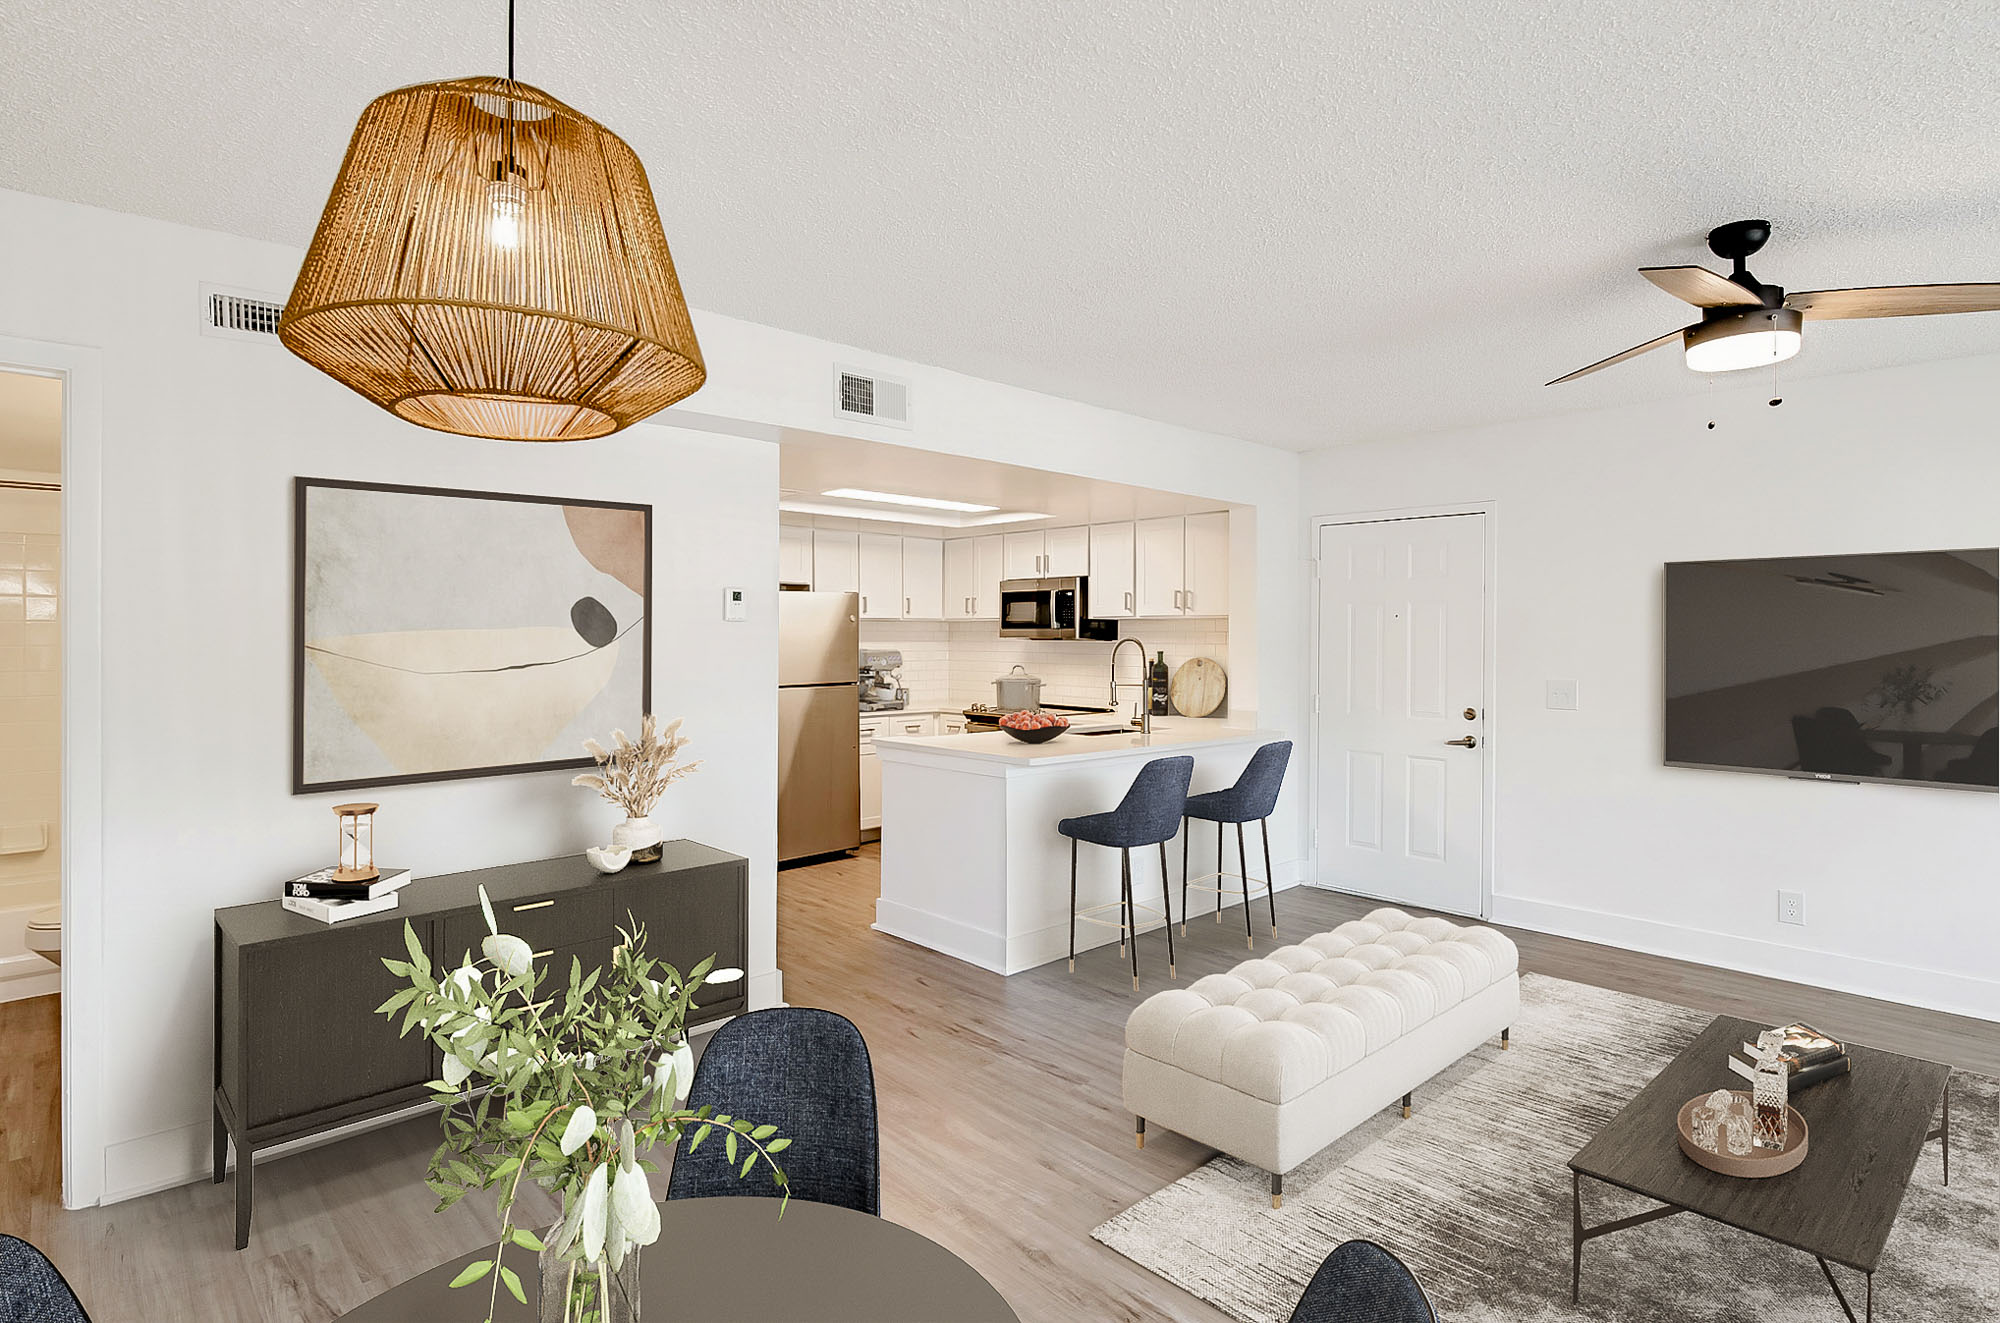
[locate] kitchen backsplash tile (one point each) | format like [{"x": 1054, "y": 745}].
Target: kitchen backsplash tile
[
  {"x": 952, "y": 665},
  {"x": 926, "y": 657}
]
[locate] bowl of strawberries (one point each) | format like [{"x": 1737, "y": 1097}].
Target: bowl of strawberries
[{"x": 1034, "y": 727}]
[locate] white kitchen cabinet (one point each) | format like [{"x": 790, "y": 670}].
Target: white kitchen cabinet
[
  {"x": 836, "y": 562},
  {"x": 921, "y": 725},
  {"x": 923, "y": 578},
  {"x": 1206, "y": 579},
  {"x": 1021, "y": 556},
  {"x": 795, "y": 554},
  {"x": 881, "y": 577},
  {"x": 1066, "y": 552},
  {"x": 1159, "y": 563},
  {"x": 951, "y": 723},
  {"x": 871, "y": 774},
  {"x": 972, "y": 574},
  {"x": 1054, "y": 553},
  {"x": 1112, "y": 592}
]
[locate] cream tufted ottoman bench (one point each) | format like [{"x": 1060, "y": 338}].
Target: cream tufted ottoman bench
[{"x": 1281, "y": 1056}]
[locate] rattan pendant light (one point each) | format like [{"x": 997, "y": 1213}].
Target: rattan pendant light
[{"x": 491, "y": 263}]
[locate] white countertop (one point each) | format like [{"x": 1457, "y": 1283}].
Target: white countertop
[{"x": 994, "y": 746}]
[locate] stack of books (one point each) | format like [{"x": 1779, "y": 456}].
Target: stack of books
[
  {"x": 1809, "y": 1055},
  {"x": 318, "y": 896}
]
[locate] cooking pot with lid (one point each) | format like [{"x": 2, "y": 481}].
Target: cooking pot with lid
[{"x": 1017, "y": 690}]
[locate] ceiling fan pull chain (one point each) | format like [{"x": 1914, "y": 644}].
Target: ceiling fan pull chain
[{"x": 1777, "y": 375}]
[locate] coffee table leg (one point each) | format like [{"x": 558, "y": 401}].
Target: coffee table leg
[
  {"x": 1575, "y": 1235},
  {"x": 1944, "y": 1131}
]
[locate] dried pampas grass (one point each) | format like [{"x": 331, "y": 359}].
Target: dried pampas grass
[{"x": 634, "y": 773}]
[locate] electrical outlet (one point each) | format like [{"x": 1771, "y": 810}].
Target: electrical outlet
[
  {"x": 1559, "y": 695},
  {"x": 1792, "y": 907}
]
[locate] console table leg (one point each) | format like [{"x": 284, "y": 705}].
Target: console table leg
[
  {"x": 221, "y": 1146},
  {"x": 1947, "y": 1131},
  {"x": 243, "y": 1197}
]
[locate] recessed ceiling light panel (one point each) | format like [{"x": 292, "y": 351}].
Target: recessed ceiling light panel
[{"x": 897, "y": 498}]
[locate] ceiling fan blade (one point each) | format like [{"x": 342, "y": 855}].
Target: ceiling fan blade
[
  {"x": 1896, "y": 300},
  {"x": 1633, "y": 352},
  {"x": 1700, "y": 286}
]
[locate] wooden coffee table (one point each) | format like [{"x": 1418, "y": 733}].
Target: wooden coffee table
[{"x": 1867, "y": 1129}]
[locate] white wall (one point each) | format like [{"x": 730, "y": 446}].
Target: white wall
[
  {"x": 201, "y": 437},
  {"x": 1595, "y": 837}
]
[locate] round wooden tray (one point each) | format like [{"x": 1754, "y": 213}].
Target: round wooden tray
[
  {"x": 1198, "y": 687},
  {"x": 1758, "y": 1162}
]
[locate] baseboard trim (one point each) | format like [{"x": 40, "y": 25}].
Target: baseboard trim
[
  {"x": 27, "y": 975},
  {"x": 1932, "y": 989}
]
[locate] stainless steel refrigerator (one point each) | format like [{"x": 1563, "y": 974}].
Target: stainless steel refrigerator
[{"x": 819, "y": 723}]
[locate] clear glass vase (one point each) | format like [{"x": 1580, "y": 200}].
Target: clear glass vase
[{"x": 576, "y": 1292}]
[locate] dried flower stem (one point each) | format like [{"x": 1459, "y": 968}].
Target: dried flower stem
[{"x": 634, "y": 773}]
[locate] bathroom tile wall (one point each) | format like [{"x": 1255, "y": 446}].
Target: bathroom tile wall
[{"x": 30, "y": 695}]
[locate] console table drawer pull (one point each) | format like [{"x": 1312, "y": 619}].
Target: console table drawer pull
[{"x": 534, "y": 905}]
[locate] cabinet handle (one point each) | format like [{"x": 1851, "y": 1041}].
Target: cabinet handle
[
  {"x": 864, "y": 601},
  {"x": 534, "y": 905},
  {"x": 541, "y": 955},
  {"x": 1190, "y": 599},
  {"x": 1177, "y": 599},
  {"x": 906, "y": 606},
  {"x": 1128, "y": 601}
]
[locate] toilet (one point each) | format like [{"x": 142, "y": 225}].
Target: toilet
[{"x": 45, "y": 933}]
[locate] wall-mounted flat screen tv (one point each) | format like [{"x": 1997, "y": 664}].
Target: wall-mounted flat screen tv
[{"x": 1837, "y": 668}]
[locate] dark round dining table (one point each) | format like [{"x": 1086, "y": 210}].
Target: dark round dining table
[{"x": 733, "y": 1260}]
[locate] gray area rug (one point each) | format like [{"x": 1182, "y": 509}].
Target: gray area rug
[{"x": 1473, "y": 1192}]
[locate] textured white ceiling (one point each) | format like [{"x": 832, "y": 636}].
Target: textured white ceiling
[{"x": 1298, "y": 221}]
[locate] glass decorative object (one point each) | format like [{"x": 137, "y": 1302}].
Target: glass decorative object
[
  {"x": 1768, "y": 1087},
  {"x": 1736, "y": 1127},
  {"x": 357, "y": 843},
  {"x": 1708, "y": 1119},
  {"x": 572, "y": 1291}
]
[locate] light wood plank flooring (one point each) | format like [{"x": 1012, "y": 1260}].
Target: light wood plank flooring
[{"x": 1003, "y": 1135}]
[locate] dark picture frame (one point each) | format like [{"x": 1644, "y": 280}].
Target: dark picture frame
[{"x": 301, "y": 559}]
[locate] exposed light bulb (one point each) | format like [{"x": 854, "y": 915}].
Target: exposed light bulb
[{"x": 507, "y": 201}]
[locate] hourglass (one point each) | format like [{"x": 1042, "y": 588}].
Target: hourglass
[{"x": 357, "y": 843}]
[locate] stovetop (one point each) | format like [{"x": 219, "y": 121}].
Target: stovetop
[{"x": 987, "y": 714}]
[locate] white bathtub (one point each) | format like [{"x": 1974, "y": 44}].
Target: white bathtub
[{"x": 23, "y": 973}]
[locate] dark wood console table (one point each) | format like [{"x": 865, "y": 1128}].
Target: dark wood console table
[{"x": 299, "y": 1049}]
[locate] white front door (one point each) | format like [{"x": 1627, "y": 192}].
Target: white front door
[{"x": 1401, "y": 685}]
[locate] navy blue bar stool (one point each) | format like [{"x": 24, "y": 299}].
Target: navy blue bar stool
[
  {"x": 1149, "y": 814},
  {"x": 1251, "y": 799}
]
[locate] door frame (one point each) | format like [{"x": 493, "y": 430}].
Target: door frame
[
  {"x": 80, "y": 369},
  {"x": 1490, "y": 679}
]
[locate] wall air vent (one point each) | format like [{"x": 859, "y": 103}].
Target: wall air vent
[
  {"x": 239, "y": 314},
  {"x": 871, "y": 397}
]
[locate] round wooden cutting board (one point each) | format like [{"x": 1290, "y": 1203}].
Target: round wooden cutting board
[{"x": 1198, "y": 687}]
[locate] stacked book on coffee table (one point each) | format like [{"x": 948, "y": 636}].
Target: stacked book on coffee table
[
  {"x": 319, "y": 896},
  {"x": 1809, "y": 1055}
]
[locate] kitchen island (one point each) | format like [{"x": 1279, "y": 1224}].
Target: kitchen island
[{"x": 972, "y": 864}]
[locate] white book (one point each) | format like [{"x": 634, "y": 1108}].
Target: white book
[{"x": 335, "y": 911}]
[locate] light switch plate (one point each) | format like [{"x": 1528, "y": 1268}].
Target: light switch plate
[
  {"x": 1559, "y": 695},
  {"x": 734, "y": 608}
]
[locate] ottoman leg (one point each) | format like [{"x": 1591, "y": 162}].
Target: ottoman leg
[
  {"x": 1503, "y": 1038},
  {"x": 1140, "y": 1133},
  {"x": 1277, "y": 1189},
  {"x": 1406, "y": 1106}
]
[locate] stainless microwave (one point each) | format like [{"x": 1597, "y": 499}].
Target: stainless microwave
[{"x": 1050, "y": 609}]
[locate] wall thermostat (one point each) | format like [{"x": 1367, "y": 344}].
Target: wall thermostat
[{"x": 733, "y": 605}]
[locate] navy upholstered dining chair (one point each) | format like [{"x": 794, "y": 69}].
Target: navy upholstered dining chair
[
  {"x": 1251, "y": 799},
  {"x": 1360, "y": 1282},
  {"x": 806, "y": 1072},
  {"x": 31, "y": 1290},
  {"x": 1149, "y": 814}
]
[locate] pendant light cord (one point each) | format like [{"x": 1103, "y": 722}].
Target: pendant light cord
[{"x": 510, "y": 40}]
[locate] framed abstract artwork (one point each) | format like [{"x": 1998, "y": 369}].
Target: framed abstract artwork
[{"x": 441, "y": 633}]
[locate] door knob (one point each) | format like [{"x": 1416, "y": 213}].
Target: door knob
[{"x": 1465, "y": 742}]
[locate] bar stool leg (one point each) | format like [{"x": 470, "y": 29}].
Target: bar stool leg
[
  {"x": 1131, "y": 912},
  {"x": 1072, "y": 904},
  {"x": 1218, "y": 872},
  {"x": 1243, "y": 863},
  {"x": 1167, "y": 903},
  {"x": 1187, "y": 830},
  {"x": 1270, "y": 878}
]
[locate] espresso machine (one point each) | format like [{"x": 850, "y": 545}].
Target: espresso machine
[{"x": 881, "y": 681}]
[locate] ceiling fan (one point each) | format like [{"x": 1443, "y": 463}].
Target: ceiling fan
[{"x": 1746, "y": 323}]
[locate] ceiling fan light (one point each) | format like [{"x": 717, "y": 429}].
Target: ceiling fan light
[{"x": 1734, "y": 339}]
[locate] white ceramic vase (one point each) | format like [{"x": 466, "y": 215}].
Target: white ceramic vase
[{"x": 640, "y": 836}]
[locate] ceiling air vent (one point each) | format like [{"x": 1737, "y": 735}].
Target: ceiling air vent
[
  {"x": 871, "y": 397},
  {"x": 237, "y": 314}
]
